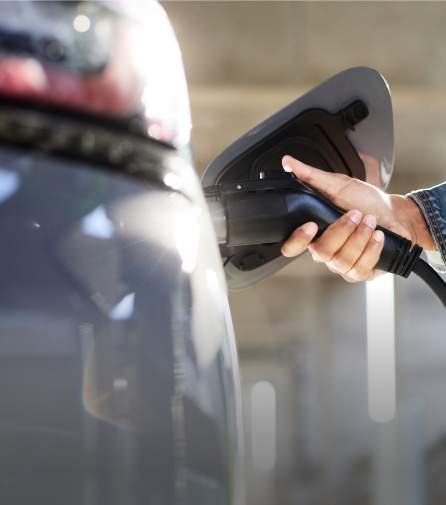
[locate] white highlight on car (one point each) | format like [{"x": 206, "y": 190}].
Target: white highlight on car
[
  {"x": 172, "y": 180},
  {"x": 81, "y": 23},
  {"x": 187, "y": 238},
  {"x": 97, "y": 224},
  {"x": 124, "y": 309},
  {"x": 9, "y": 184}
]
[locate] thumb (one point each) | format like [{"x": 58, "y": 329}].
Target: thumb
[{"x": 328, "y": 184}]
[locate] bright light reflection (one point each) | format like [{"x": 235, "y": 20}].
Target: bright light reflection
[
  {"x": 102, "y": 29},
  {"x": 263, "y": 426},
  {"x": 172, "y": 223},
  {"x": 81, "y": 23},
  {"x": 9, "y": 184},
  {"x": 207, "y": 318},
  {"x": 172, "y": 180},
  {"x": 97, "y": 224},
  {"x": 187, "y": 236},
  {"x": 213, "y": 286},
  {"x": 165, "y": 98},
  {"x": 124, "y": 309},
  {"x": 155, "y": 131},
  {"x": 381, "y": 348}
]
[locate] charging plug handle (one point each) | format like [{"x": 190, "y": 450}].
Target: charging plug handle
[{"x": 268, "y": 210}]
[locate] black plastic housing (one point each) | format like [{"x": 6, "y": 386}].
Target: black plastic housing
[{"x": 316, "y": 137}]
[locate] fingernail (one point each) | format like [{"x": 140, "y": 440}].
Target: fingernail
[
  {"x": 310, "y": 228},
  {"x": 370, "y": 221},
  {"x": 378, "y": 236},
  {"x": 356, "y": 216},
  {"x": 287, "y": 169}
]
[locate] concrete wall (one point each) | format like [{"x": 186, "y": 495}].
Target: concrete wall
[{"x": 301, "y": 42}]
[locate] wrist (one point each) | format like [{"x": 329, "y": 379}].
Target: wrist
[{"x": 412, "y": 222}]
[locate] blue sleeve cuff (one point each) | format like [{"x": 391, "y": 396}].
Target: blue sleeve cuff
[{"x": 432, "y": 203}]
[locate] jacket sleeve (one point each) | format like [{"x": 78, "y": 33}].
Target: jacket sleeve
[{"x": 432, "y": 203}]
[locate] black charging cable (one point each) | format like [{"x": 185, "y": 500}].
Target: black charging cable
[
  {"x": 405, "y": 260},
  {"x": 425, "y": 272}
]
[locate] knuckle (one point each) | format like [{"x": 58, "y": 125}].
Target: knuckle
[
  {"x": 359, "y": 274},
  {"x": 341, "y": 263},
  {"x": 335, "y": 270},
  {"x": 320, "y": 254},
  {"x": 332, "y": 268},
  {"x": 315, "y": 258}
]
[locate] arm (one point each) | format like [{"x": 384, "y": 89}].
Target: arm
[
  {"x": 351, "y": 246},
  {"x": 432, "y": 203}
]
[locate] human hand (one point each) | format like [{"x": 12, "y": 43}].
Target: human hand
[{"x": 351, "y": 246}]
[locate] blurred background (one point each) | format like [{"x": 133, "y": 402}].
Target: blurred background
[{"x": 311, "y": 437}]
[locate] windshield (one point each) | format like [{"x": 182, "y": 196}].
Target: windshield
[{"x": 117, "y": 376}]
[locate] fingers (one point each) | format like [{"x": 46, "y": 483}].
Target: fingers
[
  {"x": 345, "y": 192},
  {"x": 327, "y": 183},
  {"x": 300, "y": 240},
  {"x": 335, "y": 237},
  {"x": 363, "y": 269},
  {"x": 344, "y": 259},
  {"x": 350, "y": 247}
]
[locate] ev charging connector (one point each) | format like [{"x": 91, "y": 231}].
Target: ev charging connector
[{"x": 345, "y": 125}]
